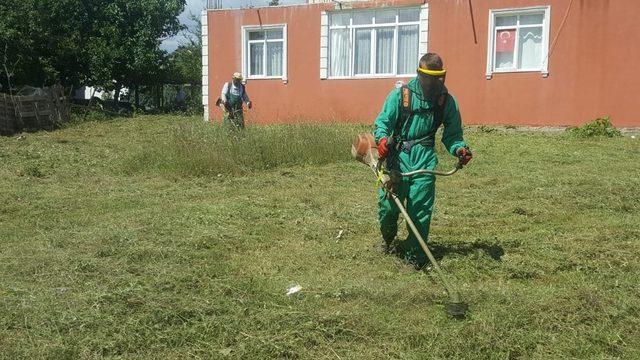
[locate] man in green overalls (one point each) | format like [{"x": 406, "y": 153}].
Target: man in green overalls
[
  {"x": 233, "y": 95},
  {"x": 405, "y": 133}
]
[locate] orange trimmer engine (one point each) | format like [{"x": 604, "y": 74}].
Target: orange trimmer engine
[{"x": 365, "y": 150}]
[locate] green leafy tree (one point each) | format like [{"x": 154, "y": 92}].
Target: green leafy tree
[
  {"x": 107, "y": 43},
  {"x": 43, "y": 42},
  {"x": 125, "y": 45},
  {"x": 185, "y": 63}
]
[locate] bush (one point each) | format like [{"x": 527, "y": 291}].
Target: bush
[
  {"x": 599, "y": 127},
  {"x": 98, "y": 111}
]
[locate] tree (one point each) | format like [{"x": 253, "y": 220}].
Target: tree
[
  {"x": 43, "y": 42},
  {"x": 274, "y": 3},
  {"x": 125, "y": 46},
  {"x": 185, "y": 63},
  {"x": 108, "y": 43}
]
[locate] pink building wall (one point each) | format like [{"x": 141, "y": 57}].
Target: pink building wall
[{"x": 591, "y": 65}]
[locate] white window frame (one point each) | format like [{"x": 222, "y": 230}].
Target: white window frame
[
  {"x": 205, "y": 64},
  {"x": 420, "y": 23},
  {"x": 491, "y": 45},
  {"x": 246, "y": 71}
]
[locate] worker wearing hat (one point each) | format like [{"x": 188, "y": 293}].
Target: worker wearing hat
[
  {"x": 231, "y": 99},
  {"x": 405, "y": 133}
]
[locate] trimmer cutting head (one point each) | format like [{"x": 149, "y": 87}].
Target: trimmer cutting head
[{"x": 457, "y": 310}]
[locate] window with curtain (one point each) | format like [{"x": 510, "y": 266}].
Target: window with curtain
[
  {"x": 381, "y": 42},
  {"x": 265, "y": 53},
  {"x": 518, "y": 40}
]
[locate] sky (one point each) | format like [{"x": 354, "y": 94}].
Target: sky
[{"x": 196, "y": 6}]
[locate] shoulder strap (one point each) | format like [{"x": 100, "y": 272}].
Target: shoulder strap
[
  {"x": 405, "y": 111},
  {"x": 406, "y": 99}
]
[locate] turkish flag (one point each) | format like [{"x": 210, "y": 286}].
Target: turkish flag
[{"x": 505, "y": 40}]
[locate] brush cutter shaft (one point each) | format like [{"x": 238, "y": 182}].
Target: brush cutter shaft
[
  {"x": 453, "y": 294},
  {"x": 435, "y": 172}
]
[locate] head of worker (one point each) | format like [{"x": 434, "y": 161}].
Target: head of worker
[
  {"x": 431, "y": 76},
  {"x": 236, "y": 78}
]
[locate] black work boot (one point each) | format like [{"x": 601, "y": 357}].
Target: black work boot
[
  {"x": 418, "y": 262},
  {"x": 388, "y": 246}
]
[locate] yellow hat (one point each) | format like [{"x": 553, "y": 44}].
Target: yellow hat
[{"x": 237, "y": 75}]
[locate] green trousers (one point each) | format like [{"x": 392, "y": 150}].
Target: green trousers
[
  {"x": 234, "y": 118},
  {"x": 418, "y": 195},
  {"x": 233, "y": 115}
]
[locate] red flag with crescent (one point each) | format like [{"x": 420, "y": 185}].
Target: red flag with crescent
[{"x": 505, "y": 40}]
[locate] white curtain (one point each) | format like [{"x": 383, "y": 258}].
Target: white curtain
[
  {"x": 385, "y": 16},
  {"x": 256, "y": 59},
  {"x": 384, "y": 51},
  {"x": 530, "y": 46},
  {"x": 363, "y": 52},
  {"x": 408, "y": 49},
  {"x": 340, "y": 19},
  {"x": 339, "y": 52},
  {"x": 504, "y": 60},
  {"x": 406, "y": 15},
  {"x": 274, "y": 58}
]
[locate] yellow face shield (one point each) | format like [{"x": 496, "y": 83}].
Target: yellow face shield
[{"x": 432, "y": 82}]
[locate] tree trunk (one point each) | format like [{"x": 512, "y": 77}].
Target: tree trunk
[
  {"x": 137, "y": 89},
  {"x": 116, "y": 95},
  {"x": 158, "y": 104}
]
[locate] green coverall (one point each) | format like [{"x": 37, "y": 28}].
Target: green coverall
[
  {"x": 233, "y": 114},
  {"x": 417, "y": 192}
]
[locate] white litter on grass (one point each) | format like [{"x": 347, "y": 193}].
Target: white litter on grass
[
  {"x": 294, "y": 289},
  {"x": 633, "y": 136},
  {"x": 339, "y": 235}
]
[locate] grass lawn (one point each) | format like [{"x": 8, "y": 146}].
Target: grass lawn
[{"x": 157, "y": 237}]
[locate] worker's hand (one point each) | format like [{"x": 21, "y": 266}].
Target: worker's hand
[
  {"x": 464, "y": 154},
  {"x": 383, "y": 148},
  {"x": 249, "y": 104}
]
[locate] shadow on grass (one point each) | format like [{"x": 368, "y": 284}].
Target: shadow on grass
[{"x": 493, "y": 250}]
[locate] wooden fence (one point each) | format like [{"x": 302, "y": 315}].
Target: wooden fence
[{"x": 46, "y": 109}]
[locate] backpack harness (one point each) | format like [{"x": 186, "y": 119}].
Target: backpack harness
[
  {"x": 228, "y": 93},
  {"x": 406, "y": 116}
]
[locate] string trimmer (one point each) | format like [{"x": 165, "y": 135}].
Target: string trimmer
[{"x": 364, "y": 149}]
